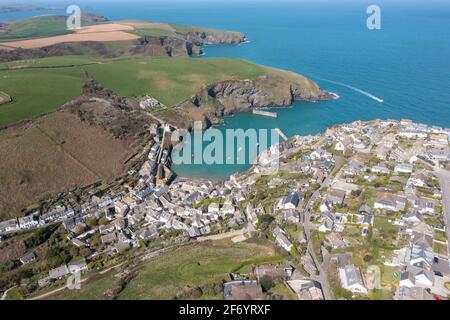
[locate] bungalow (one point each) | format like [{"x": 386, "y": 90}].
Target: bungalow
[
  {"x": 29, "y": 258},
  {"x": 380, "y": 170},
  {"x": 282, "y": 240},
  {"x": 354, "y": 167},
  {"x": 403, "y": 168},
  {"x": 44, "y": 281},
  {"x": 352, "y": 279},
  {"x": 418, "y": 179},
  {"x": 109, "y": 238},
  {"x": 335, "y": 196},
  {"x": 59, "y": 273},
  {"x": 424, "y": 205},
  {"x": 275, "y": 272},
  {"x": 336, "y": 241},
  {"x": 79, "y": 266},
  {"x": 79, "y": 243},
  {"x": 197, "y": 232},
  {"x": 348, "y": 188},
  {"x": 149, "y": 234},
  {"x": 243, "y": 290},
  {"x": 389, "y": 201}
]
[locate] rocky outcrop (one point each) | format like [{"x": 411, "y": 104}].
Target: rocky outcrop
[
  {"x": 273, "y": 90},
  {"x": 214, "y": 37},
  {"x": 179, "y": 45}
]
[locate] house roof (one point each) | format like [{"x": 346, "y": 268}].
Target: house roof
[{"x": 353, "y": 275}]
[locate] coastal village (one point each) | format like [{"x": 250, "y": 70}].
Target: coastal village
[{"x": 359, "y": 212}]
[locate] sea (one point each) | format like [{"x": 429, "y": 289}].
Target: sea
[{"x": 399, "y": 71}]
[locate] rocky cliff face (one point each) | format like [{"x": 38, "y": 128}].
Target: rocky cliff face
[
  {"x": 231, "y": 96},
  {"x": 214, "y": 37},
  {"x": 183, "y": 45}
]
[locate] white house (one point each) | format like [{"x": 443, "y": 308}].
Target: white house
[{"x": 352, "y": 279}]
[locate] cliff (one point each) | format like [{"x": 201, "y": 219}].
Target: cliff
[
  {"x": 176, "y": 43},
  {"x": 276, "y": 89}
]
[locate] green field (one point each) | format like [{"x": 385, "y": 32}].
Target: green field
[
  {"x": 38, "y": 90},
  {"x": 196, "y": 265},
  {"x": 36, "y": 27},
  {"x": 170, "y": 80}
]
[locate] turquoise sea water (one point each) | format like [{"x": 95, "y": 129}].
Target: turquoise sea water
[{"x": 406, "y": 63}]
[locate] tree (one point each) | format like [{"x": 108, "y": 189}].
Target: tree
[{"x": 266, "y": 283}]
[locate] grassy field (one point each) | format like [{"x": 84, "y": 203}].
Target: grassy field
[
  {"x": 196, "y": 265},
  {"x": 43, "y": 26},
  {"x": 38, "y": 90},
  {"x": 169, "y": 80}
]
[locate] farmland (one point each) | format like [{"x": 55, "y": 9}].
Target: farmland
[
  {"x": 37, "y": 91},
  {"x": 170, "y": 80}
]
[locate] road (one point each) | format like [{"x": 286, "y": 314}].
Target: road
[
  {"x": 444, "y": 180},
  {"x": 322, "y": 268}
]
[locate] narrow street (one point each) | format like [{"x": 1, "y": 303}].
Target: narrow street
[
  {"x": 322, "y": 268},
  {"x": 444, "y": 180}
]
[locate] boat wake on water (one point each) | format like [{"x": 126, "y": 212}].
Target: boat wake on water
[{"x": 367, "y": 94}]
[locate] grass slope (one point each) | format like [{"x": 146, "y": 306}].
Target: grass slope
[
  {"x": 37, "y": 91},
  {"x": 196, "y": 265}
]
